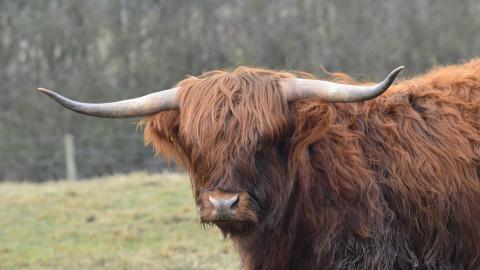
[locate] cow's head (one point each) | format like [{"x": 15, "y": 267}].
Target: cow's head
[{"x": 231, "y": 131}]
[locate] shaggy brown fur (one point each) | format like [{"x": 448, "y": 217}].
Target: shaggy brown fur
[{"x": 391, "y": 183}]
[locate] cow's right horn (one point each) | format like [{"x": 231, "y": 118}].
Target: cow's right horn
[
  {"x": 295, "y": 89},
  {"x": 141, "y": 106}
]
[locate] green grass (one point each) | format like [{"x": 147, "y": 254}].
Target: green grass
[{"x": 137, "y": 221}]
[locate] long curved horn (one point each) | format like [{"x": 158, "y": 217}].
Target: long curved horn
[
  {"x": 295, "y": 89},
  {"x": 141, "y": 106}
]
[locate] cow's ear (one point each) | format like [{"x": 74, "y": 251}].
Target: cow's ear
[{"x": 161, "y": 131}]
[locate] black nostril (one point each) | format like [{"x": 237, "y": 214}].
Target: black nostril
[{"x": 235, "y": 203}]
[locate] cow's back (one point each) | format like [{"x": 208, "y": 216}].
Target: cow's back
[
  {"x": 403, "y": 172},
  {"x": 422, "y": 143}
]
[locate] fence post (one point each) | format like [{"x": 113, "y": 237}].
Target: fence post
[{"x": 70, "y": 165}]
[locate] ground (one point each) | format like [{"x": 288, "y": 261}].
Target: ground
[{"x": 137, "y": 221}]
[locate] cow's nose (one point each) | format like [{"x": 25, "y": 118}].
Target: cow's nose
[{"x": 224, "y": 204}]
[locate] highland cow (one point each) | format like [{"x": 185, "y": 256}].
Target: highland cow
[{"x": 309, "y": 174}]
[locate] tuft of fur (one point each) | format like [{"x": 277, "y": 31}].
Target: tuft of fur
[{"x": 390, "y": 183}]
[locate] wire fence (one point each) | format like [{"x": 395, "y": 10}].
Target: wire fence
[{"x": 50, "y": 158}]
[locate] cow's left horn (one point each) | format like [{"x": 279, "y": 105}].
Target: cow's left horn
[
  {"x": 295, "y": 89},
  {"x": 141, "y": 106}
]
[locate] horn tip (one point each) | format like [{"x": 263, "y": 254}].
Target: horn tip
[
  {"x": 391, "y": 77},
  {"x": 399, "y": 69},
  {"x": 43, "y": 90}
]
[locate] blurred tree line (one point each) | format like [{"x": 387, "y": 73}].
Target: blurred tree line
[{"x": 99, "y": 50}]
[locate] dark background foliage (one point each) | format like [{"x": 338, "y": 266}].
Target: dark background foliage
[{"x": 98, "y": 50}]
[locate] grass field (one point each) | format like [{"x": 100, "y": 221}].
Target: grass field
[{"x": 137, "y": 221}]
